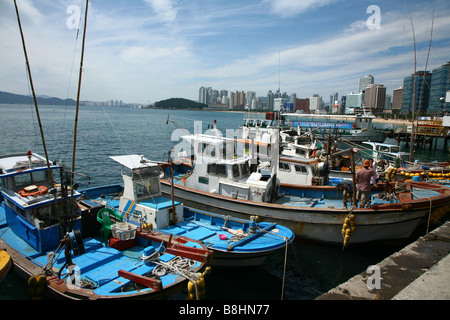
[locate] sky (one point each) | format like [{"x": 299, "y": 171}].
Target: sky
[{"x": 144, "y": 51}]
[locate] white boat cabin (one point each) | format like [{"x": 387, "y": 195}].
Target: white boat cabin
[
  {"x": 387, "y": 152},
  {"x": 142, "y": 200},
  {"x": 222, "y": 166}
]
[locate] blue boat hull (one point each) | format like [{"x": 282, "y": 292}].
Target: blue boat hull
[{"x": 208, "y": 228}]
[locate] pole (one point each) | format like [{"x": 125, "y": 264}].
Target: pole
[
  {"x": 78, "y": 105},
  {"x": 50, "y": 175}
]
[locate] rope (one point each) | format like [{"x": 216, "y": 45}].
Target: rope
[
  {"x": 284, "y": 269},
  {"x": 429, "y": 212},
  {"x": 176, "y": 265}
]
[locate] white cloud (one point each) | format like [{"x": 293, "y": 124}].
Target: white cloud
[
  {"x": 294, "y": 7},
  {"x": 164, "y": 9}
]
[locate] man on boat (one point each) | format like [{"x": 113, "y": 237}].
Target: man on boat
[{"x": 363, "y": 178}]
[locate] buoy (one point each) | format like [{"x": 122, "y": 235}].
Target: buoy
[
  {"x": 348, "y": 228},
  {"x": 37, "y": 286}
]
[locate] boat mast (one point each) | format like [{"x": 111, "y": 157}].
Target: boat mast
[
  {"x": 78, "y": 104},
  {"x": 411, "y": 148},
  {"x": 34, "y": 96}
]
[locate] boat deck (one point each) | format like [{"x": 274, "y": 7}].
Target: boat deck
[
  {"x": 99, "y": 264},
  {"x": 294, "y": 200}
]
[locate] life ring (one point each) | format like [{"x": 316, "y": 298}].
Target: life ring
[
  {"x": 27, "y": 192},
  {"x": 354, "y": 126}
]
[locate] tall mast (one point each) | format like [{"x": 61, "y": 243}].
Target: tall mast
[
  {"x": 78, "y": 104},
  {"x": 34, "y": 95},
  {"x": 411, "y": 148}
]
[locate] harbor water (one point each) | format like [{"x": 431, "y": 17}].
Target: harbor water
[{"x": 304, "y": 272}]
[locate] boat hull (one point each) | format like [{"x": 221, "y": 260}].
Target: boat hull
[{"x": 317, "y": 224}]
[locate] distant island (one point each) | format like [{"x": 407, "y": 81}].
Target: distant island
[
  {"x": 172, "y": 103},
  {"x": 11, "y": 98},
  {"x": 177, "y": 103}
]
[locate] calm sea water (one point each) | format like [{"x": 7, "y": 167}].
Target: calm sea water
[{"x": 311, "y": 269}]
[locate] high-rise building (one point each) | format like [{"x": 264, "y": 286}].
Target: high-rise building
[
  {"x": 270, "y": 99},
  {"x": 251, "y": 96},
  {"x": 203, "y": 95},
  {"x": 397, "y": 100},
  {"x": 315, "y": 103},
  {"x": 365, "y": 81},
  {"x": 302, "y": 105},
  {"x": 375, "y": 97},
  {"x": 353, "y": 101},
  {"x": 333, "y": 99},
  {"x": 440, "y": 84},
  {"x": 421, "y": 94}
]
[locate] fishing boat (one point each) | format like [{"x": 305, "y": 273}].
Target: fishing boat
[
  {"x": 69, "y": 254},
  {"x": 312, "y": 212},
  {"x": 354, "y": 128},
  {"x": 234, "y": 242},
  {"x": 62, "y": 250}
]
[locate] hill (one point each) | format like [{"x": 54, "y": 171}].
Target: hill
[
  {"x": 179, "y": 103},
  {"x": 11, "y": 98}
]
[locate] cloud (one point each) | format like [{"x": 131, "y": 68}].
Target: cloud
[
  {"x": 287, "y": 8},
  {"x": 164, "y": 9}
]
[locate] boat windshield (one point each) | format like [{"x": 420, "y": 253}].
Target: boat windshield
[
  {"x": 145, "y": 188},
  {"x": 26, "y": 179}
]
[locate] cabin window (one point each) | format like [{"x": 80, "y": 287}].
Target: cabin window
[
  {"x": 235, "y": 170},
  {"x": 301, "y": 169},
  {"x": 22, "y": 180},
  {"x": 244, "y": 169},
  {"x": 212, "y": 168},
  {"x": 217, "y": 169},
  {"x": 221, "y": 170},
  {"x": 40, "y": 176},
  {"x": 284, "y": 167},
  {"x": 300, "y": 152}
]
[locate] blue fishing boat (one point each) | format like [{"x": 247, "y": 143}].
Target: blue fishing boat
[
  {"x": 234, "y": 242},
  {"x": 77, "y": 255},
  {"x": 69, "y": 253}
]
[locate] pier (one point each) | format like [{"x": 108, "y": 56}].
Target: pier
[
  {"x": 427, "y": 132},
  {"x": 420, "y": 271}
]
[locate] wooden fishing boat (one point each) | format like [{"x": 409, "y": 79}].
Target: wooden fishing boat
[
  {"x": 234, "y": 242},
  {"x": 312, "y": 212},
  {"x": 73, "y": 254},
  {"x": 66, "y": 253}
]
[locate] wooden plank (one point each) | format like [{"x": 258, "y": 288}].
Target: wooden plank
[{"x": 145, "y": 281}]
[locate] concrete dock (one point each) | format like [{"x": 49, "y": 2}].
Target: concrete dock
[{"x": 420, "y": 271}]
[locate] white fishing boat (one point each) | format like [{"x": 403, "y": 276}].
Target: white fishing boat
[
  {"x": 313, "y": 212},
  {"x": 354, "y": 128}
]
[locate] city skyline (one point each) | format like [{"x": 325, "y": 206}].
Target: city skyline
[
  {"x": 431, "y": 96},
  {"x": 143, "y": 51}
]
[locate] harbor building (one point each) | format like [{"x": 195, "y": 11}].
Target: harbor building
[{"x": 420, "y": 95}]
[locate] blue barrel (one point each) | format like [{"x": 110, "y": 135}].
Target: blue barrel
[{"x": 416, "y": 178}]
